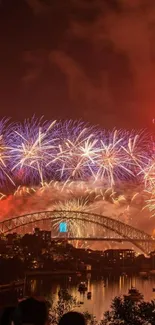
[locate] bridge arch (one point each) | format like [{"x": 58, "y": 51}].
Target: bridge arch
[{"x": 142, "y": 240}]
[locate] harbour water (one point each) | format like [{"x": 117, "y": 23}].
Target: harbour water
[{"x": 103, "y": 290}]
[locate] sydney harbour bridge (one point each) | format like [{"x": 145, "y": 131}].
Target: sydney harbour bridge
[{"x": 80, "y": 226}]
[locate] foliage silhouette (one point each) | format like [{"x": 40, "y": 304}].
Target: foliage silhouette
[{"x": 123, "y": 311}]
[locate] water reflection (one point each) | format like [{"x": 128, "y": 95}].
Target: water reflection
[{"x": 103, "y": 290}]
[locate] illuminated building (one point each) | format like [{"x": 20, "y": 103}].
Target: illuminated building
[{"x": 119, "y": 256}]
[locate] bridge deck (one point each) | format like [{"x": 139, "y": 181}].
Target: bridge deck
[{"x": 103, "y": 239}]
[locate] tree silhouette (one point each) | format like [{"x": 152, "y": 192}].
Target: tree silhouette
[{"x": 124, "y": 311}]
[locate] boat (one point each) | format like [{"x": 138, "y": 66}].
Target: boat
[
  {"x": 144, "y": 275},
  {"x": 89, "y": 295},
  {"x": 82, "y": 287},
  {"x": 134, "y": 294}
]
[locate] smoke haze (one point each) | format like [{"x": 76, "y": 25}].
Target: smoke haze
[{"x": 93, "y": 60}]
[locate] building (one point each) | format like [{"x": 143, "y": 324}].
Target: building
[
  {"x": 119, "y": 256},
  {"x": 43, "y": 234}
]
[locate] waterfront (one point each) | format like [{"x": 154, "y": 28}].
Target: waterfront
[{"x": 103, "y": 290}]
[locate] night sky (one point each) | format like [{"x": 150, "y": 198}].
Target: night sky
[{"x": 82, "y": 59}]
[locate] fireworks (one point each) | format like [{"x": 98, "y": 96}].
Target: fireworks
[
  {"x": 111, "y": 159},
  {"x": 74, "y": 156},
  {"x": 4, "y": 153},
  {"x": 71, "y": 166},
  {"x": 38, "y": 151},
  {"x": 149, "y": 176},
  {"x": 79, "y": 204},
  {"x": 30, "y": 148},
  {"x": 126, "y": 204},
  {"x": 76, "y": 226}
]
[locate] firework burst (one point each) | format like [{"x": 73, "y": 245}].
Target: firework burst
[
  {"x": 111, "y": 159},
  {"x": 4, "y": 153},
  {"x": 30, "y": 148},
  {"x": 38, "y": 151},
  {"x": 76, "y": 227},
  {"x": 73, "y": 159},
  {"x": 150, "y": 204},
  {"x": 149, "y": 176}
]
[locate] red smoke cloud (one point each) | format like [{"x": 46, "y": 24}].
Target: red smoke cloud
[{"x": 108, "y": 60}]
